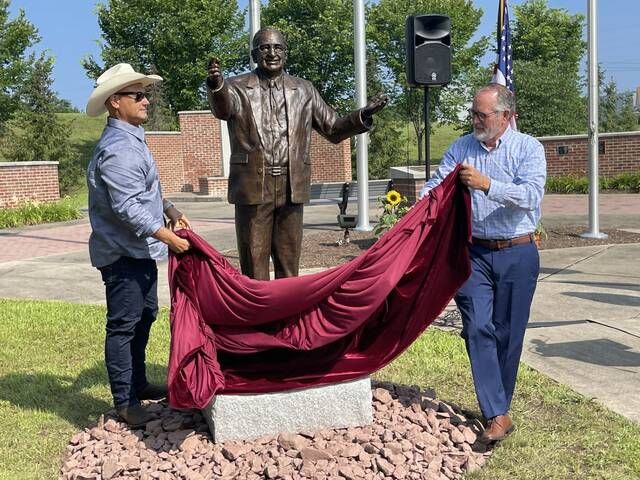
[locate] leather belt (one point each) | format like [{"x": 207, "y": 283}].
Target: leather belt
[
  {"x": 501, "y": 244},
  {"x": 275, "y": 170}
]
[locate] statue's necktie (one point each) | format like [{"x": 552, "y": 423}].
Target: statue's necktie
[{"x": 273, "y": 103}]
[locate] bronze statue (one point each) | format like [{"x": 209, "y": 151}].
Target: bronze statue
[{"x": 270, "y": 115}]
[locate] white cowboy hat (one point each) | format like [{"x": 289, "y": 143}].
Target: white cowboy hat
[{"x": 111, "y": 81}]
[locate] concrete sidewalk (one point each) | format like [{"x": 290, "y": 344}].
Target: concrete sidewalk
[
  {"x": 585, "y": 325},
  {"x": 584, "y": 329}
]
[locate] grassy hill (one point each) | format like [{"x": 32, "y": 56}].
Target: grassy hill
[
  {"x": 441, "y": 137},
  {"x": 85, "y": 132}
]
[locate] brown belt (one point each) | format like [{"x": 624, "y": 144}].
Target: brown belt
[
  {"x": 500, "y": 244},
  {"x": 275, "y": 170}
]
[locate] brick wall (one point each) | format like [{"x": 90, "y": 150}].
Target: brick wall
[
  {"x": 408, "y": 187},
  {"x": 621, "y": 154},
  {"x": 22, "y": 182},
  {"x": 167, "y": 151},
  {"x": 195, "y": 152},
  {"x": 214, "y": 187},
  {"x": 185, "y": 156},
  {"x": 329, "y": 162},
  {"x": 201, "y": 147}
]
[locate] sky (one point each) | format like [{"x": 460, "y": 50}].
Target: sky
[{"x": 69, "y": 31}]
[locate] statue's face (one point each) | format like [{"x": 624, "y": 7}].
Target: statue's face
[{"x": 270, "y": 52}]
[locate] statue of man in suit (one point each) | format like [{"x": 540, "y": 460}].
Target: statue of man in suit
[{"x": 270, "y": 115}]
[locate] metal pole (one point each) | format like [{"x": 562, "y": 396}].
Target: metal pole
[
  {"x": 427, "y": 131},
  {"x": 362, "y": 140},
  {"x": 254, "y": 26},
  {"x": 594, "y": 227}
]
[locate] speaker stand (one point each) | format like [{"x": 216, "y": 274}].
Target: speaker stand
[{"x": 427, "y": 132}]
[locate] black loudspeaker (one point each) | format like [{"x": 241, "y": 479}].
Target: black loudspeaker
[{"x": 428, "y": 49}]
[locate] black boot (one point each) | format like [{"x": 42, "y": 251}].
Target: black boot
[
  {"x": 135, "y": 415},
  {"x": 153, "y": 392}
]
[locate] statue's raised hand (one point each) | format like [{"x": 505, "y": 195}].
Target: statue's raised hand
[
  {"x": 214, "y": 74},
  {"x": 374, "y": 105}
]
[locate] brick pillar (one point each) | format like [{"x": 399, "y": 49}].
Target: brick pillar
[{"x": 201, "y": 147}]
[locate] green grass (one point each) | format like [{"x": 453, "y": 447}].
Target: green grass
[
  {"x": 560, "y": 434},
  {"x": 85, "y": 133},
  {"x": 53, "y": 383},
  {"x": 441, "y": 137}
]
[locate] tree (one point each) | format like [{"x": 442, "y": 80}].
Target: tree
[
  {"x": 16, "y": 36},
  {"x": 386, "y": 143},
  {"x": 35, "y": 133},
  {"x": 175, "y": 38},
  {"x": 615, "y": 111},
  {"x": 320, "y": 38},
  {"x": 547, "y": 50},
  {"x": 62, "y": 105},
  {"x": 159, "y": 117},
  {"x": 387, "y": 31}
]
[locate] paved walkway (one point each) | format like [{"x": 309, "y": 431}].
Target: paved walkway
[{"x": 585, "y": 324}]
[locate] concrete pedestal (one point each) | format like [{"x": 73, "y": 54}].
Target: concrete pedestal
[{"x": 243, "y": 417}]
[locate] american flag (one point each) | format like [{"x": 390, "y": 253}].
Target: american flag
[{"x": 503, "y": 70}]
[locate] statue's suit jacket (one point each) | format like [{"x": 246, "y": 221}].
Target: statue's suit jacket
[{"x": 239, "y": 103}]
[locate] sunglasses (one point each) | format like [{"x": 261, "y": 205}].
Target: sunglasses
[{"x": 137, "y": 96}]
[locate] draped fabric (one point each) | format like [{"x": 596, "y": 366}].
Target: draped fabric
[{"x": 233, "y": 334}]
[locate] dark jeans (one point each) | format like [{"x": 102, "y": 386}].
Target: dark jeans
[{"x": 132, "y": 304}]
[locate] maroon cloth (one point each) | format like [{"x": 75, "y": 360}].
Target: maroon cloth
[{"x": 233, "y": 334}]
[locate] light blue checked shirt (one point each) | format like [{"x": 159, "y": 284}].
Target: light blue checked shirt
[
  {"x": 518, "y": 171},
  {"x": 125, "y": 201}
]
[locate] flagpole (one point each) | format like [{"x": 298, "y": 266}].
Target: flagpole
[
  {"x": 503, "y": 70},
  {"x": 254, "y": 26},
  {"x": 362, "y": 140},
  {"x": 594, "y": 227}
]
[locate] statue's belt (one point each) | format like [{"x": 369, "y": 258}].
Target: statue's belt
[{"x": 275, "y": 170}]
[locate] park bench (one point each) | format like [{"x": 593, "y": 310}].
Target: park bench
[
  {"x": 331, "y": 192},
  {"x": 341, "y": 193}
]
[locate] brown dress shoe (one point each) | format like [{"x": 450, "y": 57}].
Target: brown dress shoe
[
  {"x": 135, "y": 415},
  {"x": 498, "y": 428},
  {"x": 153, "y": 392}
]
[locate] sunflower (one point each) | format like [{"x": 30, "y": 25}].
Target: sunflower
[{"x": 393, "y": 197}]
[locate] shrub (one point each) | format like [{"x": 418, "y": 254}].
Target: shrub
[
  {"x": 33, "y": 213},
  {"x": 568, "y": 184},
  {"x": 624, "y": 182}
]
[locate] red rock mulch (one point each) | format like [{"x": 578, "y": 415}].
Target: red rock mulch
[{"x": 413, "y": 436}]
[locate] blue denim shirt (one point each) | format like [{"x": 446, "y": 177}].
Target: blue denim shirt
[
  {"x": 518, "y": 171},
  {"x": 125, "y": 200}
]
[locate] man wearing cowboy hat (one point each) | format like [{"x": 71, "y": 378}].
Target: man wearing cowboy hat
[{"x": 128, "y": 233}]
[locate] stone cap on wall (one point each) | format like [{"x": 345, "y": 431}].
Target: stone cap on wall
[
  {"x": 194, "y": 112},
  {"x": 26, "y": 164},
  {"x": 411, "y": 171},
  {"x": 585, "y": 136}
]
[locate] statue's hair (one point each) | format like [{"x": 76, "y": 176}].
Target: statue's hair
[
  {"x": 263, "y": 31},
  {"x": 505, "y": 100}
]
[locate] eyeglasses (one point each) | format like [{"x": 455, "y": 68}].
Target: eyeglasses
[
  {"x": 266, "y": 47},
  {"x": 481, "y": 115},
  {"x": 137, "y": 96}
]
